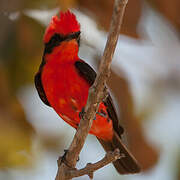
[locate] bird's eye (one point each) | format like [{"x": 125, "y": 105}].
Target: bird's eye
[{"x": 55, "y": 40}]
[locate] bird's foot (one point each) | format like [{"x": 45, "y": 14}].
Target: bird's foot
[
  {"x": 81, "y": 114},
  {"x": 62, "y": 159}
]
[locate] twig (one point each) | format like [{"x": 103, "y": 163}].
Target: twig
[
  {"x": 96, "y": 94},
  {"x": 90, "y": 168}
]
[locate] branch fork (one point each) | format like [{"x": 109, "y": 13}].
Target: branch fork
[{"x": 90, "y": 168}]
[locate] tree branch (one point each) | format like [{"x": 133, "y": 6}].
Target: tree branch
[
  {"x": 90, "y": 168},
  {"x": 96, "y": 94}
]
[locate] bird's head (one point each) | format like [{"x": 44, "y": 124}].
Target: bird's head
[{"x": 61, "y": 28}]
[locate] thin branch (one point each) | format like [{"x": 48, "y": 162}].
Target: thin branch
[
  {"x": 90, "y": 168},
  {"x": 96, "y": 93}
]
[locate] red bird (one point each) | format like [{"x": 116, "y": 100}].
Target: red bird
[{"x": 63, "y": 81}]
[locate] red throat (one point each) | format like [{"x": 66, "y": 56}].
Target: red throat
[
  {"x": 65, "y": 24},
  {"x": 64, "y": 53}
]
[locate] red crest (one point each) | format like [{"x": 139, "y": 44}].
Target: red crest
[{"x": 65, "y": 24}]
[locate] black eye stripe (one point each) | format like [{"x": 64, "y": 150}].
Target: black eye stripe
[{"x": 56, "y": 39}]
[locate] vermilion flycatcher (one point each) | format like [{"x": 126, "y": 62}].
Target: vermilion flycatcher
[{"x": 63, "y": 81}]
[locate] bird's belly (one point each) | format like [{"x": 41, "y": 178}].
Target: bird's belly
[{"x": 67, "y": 93}]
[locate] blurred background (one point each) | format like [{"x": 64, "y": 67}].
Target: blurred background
[{"x": 145, "y": 84}]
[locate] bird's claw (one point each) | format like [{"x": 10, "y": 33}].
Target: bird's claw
[{"x": 81, "y": 114}]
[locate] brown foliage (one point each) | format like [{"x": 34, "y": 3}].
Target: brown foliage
[
  {"x": 101, "y": 11},
  {"x": 170, "y": 9}
]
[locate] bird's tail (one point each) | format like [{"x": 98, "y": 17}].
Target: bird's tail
[{"x": 125, "y": 165}]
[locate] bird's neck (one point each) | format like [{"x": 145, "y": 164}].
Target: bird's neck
[{"x": 66, "y": 52}]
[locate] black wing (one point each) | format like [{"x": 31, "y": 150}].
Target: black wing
[
  {"x": 90, "y": 75},
  {"x": 38, "y": 84}
]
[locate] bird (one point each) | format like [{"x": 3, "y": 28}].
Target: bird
[{"x": 63, "y": 81}]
